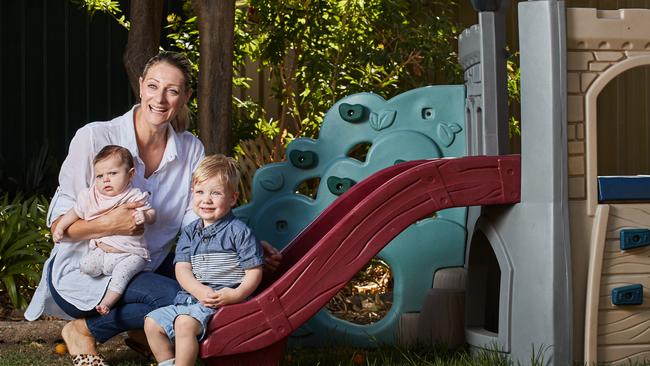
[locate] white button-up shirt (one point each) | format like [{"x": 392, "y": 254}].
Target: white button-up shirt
[{"x": 169, "y": 186}]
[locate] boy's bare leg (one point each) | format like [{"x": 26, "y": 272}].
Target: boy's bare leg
[
  {"x": 187, "y": 346},
  {"x": 110, "y": 298},
  {"x": 161, "y": 347}
]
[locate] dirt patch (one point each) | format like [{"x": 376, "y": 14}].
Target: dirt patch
[{"x": 47, "y": 331}]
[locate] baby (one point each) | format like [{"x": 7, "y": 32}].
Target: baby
[
  {"x": 218, "y": 262},
  {"x": 120, "y": 256}
]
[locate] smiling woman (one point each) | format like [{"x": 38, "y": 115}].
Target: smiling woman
[{"x": 164, "y": 156}]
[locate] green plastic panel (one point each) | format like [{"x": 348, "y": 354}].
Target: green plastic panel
[{"x": 419, "y": 124}]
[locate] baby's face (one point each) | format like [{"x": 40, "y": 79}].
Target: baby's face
[
  {"x": 211, "y": 200},
  {"x": 112, "y": 176}
]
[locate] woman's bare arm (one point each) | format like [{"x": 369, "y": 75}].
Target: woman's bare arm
[{"x": 120, "y": 221}]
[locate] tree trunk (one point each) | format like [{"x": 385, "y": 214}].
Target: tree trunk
[
  {"x": 216, "y": 38},
  {"x": 144, "y": 38}
]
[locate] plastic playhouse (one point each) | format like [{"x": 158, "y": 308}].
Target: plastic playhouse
[{"x": 549, "y": 255}]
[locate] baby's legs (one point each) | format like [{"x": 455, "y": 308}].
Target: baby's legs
[
  {"x": 187, "y": 330},
  {"x": 92, "y": 263},
  {"x": 160, "y": 345},
  {"x": 123, "y": 267}
]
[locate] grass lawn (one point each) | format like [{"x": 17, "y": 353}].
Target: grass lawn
[{"x": 41, "y": 353}]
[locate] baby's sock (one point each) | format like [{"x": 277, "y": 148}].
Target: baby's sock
[{"x": 169, "y": 362}]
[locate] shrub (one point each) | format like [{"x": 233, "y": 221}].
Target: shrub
[{"x": 24, "y": 243}]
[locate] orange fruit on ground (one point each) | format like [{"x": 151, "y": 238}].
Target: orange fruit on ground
[
  {"x": 358, "y": 359},
  {"x": 60, "y": 349}
]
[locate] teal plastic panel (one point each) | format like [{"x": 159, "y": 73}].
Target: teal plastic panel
[{"x": 422, "y": 123}]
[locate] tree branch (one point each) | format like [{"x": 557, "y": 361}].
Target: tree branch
[
  {"x": 216, "y": 21},
  {"x": 144, "y": 38}
]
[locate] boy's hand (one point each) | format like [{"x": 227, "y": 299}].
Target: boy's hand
[
  {"x": 206, "y": 296},
  {"x": 226, "y": 296},
  {"x": 139, "y": 217}
]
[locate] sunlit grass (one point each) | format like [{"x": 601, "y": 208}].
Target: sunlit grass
[{"x": 36, "y": 354}]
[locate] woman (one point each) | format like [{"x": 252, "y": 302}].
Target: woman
[{"x": 165, "y": 156}]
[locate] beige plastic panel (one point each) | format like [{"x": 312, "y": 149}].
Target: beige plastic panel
[
  {"x": 619, "y": 325},
  {"x": 624, "y": 331},
  {"x": 624, "y": 354},
  {"x": 593, "y": 293},
  {"x": 625, "y": 29},
  {"x": 605, "y": 43},
  {"x": 581, "y": 225}
]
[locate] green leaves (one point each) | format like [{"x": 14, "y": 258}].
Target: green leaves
[
  {"x": 109, "y": 7},
  {"x": 24, "y": 244},
  {"x": 315, "y": 52},
  {"x": 319, "y": 51}
]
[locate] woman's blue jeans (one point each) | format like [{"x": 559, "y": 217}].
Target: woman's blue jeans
[{"x": 147, "y": 291}]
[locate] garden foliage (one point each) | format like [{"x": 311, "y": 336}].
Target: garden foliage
[
  {"x": 319, "y": 51},
  {"x": 24, "y": 245}
]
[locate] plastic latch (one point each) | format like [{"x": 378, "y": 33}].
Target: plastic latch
[
  {"x": 634, "y": 238},
  {"x": 628, "y": 295}
]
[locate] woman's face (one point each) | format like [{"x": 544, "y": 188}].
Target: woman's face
[{"x": 162, "y": 94}]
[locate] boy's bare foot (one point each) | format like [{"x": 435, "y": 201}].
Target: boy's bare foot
[
  {"x": 78, "y": 338},
  {"x": 102, "y": 309}
]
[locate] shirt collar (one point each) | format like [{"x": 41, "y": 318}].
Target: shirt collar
[
  {"x": 130, "y": 142},
  {"x": 128, "y": 132},
  {"x": 213, "y": 229}
]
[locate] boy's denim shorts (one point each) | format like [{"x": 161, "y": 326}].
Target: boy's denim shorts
[{"x": 166, "y": 316}]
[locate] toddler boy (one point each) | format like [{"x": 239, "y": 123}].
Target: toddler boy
[{"x": 218, "y": 262}]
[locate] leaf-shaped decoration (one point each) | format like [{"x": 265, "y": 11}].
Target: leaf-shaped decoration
[
  {"x": 384, "y": 121},
  {"x": 373, "y": 120},
  {"x": 272, "y": 181},
  {"x": 447, "y": 133}
]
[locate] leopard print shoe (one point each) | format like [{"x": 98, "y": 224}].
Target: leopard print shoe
[{"x": 88, "y": 360}]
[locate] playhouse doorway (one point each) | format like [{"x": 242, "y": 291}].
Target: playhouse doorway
[
  {"x": 623, "y": 125},
  {"x": 484, "y": 278}
]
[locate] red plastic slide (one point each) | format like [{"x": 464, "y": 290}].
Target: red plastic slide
[{"x": 341, "y": 241}]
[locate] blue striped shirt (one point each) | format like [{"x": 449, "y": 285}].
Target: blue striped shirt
[{"x": 219, "y": 253}]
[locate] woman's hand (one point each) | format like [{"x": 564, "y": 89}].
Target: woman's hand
[
  {"x": 120, "y": 221},
  {"x": 272, "y": 257}
]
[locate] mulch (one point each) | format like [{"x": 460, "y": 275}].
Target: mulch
[{"x": 14, "y": 329}]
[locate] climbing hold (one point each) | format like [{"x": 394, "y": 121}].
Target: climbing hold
[
  {"x": 351, "y": 112},
  {"x": 628, "y": 295},
  {"x": 272, "y": 181},
  {"x": 634, "y": 238},
  {"x": 338, "y": 186},
  {"x": 303, "y": 159}
]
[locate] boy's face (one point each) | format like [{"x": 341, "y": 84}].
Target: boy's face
[
  {"x": 112, "y": 176},
  {"x": 211, "y": 200}
]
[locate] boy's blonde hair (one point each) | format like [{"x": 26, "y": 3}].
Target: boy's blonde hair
[{"x": 221, "y": 166}]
